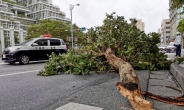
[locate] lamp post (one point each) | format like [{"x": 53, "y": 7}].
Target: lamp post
[{"x": 71, "y": 8}]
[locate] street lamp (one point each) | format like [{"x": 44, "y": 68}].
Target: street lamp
[{"x": 71, "y": 8}]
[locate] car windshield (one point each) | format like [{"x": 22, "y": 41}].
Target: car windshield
[{"x": 27, "y": 42}]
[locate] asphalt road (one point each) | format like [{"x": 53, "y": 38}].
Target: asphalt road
[{"x": 22, "y": 89}]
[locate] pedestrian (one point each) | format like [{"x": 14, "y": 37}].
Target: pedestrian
[{"x": 177, "y": 44}]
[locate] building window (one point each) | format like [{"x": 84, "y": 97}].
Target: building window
[
  {"x": 167, "y": 27},
  {"x": 167, "y": 31},
  {"x": 167, "y": 22}
]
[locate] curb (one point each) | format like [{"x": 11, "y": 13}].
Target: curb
[{"x": 178, "y": 72}]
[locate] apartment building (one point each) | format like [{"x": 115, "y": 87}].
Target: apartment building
[
  {"x": 140, "y": 25},
  {"x": 16, "y": 16},
  {"x": 165, "y": 31},
  {"x": 159, "y": 31},
  {"x": 175, "y": 18}
]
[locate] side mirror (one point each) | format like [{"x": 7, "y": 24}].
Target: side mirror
[{"x": 34, "y": 44}]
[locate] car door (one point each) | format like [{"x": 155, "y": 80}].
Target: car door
[
  {"x": 54, "y": 44},
  {"x": 40, "y": 50}
]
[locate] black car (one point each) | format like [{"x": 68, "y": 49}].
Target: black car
[{"x": 33, "y": 50}]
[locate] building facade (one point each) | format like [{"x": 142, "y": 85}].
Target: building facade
[
  {"x": 17, "y": 15},
  {"x": 165, "y": 31},
  {"x": 159, "y": 32},
  {"x": 175, "y": 18},
  {"x": 140, "y": 25}
]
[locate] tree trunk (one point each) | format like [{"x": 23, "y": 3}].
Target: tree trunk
[{"x": 129, "y": 85}]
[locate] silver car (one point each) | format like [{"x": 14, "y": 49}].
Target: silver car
[
  {"x": 171, "y": 48},
  {"x": 162, "y": 49}
]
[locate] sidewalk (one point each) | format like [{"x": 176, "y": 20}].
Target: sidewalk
[
  {"x": 105, "y": 96},
  {"x": 157, "y": 85}
]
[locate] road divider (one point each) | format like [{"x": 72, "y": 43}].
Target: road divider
[{"x": 19, "y": 73}]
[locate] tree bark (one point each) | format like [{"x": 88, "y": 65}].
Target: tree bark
[{"x": 129, "y": 85}]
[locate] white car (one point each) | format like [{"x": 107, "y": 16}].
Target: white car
[
  {"x": 171, "y": 48},
  {"x": 34, "y": 49},
  {"x": 162, "y": 49}
]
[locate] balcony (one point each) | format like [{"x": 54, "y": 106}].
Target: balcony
[
  {"x": 62, "y": 13},
  {"x": 19, "y": 8},
  {"x": 6, "y": 17},
  {"x": 5, "y": 10}
]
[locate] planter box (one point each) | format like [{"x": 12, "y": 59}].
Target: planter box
[{"x": 178, "y": 72}]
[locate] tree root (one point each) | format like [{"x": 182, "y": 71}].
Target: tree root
[
  {"x": 179, "y": 90},
  {"x": 179, "y": 101}
]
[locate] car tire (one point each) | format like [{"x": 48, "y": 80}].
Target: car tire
[{"x": 24, "y": 59}]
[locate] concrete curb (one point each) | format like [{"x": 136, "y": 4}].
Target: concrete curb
[{"x": 178, "y": 72}]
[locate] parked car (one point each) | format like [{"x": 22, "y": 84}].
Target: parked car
[
  {"x": 162, "y": 48},
  {"x": 171, "y": 48},
  {"x": 33, "y": 50}
]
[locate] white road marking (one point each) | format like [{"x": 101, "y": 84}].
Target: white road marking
[
  {"x": 18, "y": 73},
  {"x": 76, "y": 106}
]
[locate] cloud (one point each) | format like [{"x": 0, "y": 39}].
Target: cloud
[{"x": 91, "y": 13}]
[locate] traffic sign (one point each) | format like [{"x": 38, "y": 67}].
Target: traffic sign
[{"x": 82, "y": 29}]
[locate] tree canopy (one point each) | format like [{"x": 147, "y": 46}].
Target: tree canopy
[
  {"x": 176, "y": 4},
  {"x": 180, "y": 26},
  {"x": 53, "y": 27},
  {"x": 126, "y": 41}
]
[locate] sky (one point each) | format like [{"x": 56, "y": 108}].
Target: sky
[{"x": 91, "y": 13}]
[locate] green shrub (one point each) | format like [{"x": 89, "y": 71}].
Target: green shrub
[
  {"x": 78, "y": 62},
  {"x": 180, "y": 60}
]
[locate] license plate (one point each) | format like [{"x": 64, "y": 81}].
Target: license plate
[{"x": 4, "y": 56}]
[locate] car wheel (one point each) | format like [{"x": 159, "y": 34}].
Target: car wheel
[{"x": 24, "y": 59}]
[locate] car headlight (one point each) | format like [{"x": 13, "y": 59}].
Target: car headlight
[{"x": 13, "y": 49}]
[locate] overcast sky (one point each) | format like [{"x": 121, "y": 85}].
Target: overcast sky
[{"x": 91, "y": 13}]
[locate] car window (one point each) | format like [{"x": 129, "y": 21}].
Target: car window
[
  {"x": 41, "y": 42},
  {"x": 55, "y": 42},
  {"x": 63, "y": 43},
  {"x": 27, "y": 42}
]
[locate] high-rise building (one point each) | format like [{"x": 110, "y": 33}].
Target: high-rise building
[
  {"x": 159, "y": 32},
  {"x": 175, "y": 18},
  {"x": 140, "y": 25},
  {"x": 17, "y": 15},
  {"x": 165, "y": 31}
]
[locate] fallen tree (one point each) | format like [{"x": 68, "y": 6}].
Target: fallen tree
[
  {"x": 129, "y": 85},
  {"x": 116, "y": 45}
]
